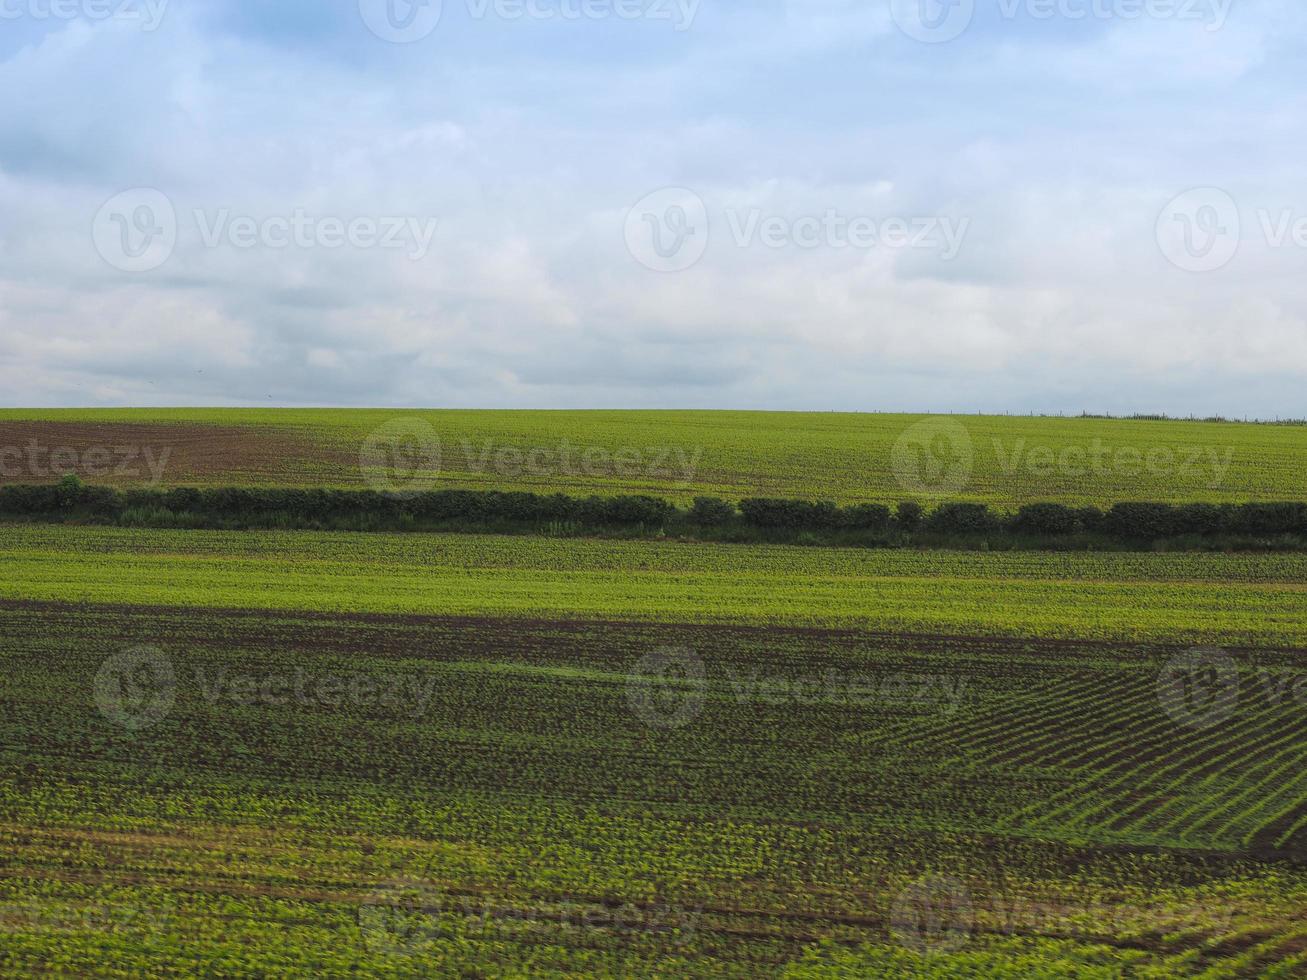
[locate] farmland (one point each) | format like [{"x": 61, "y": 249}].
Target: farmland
[
  {"x": 831, "y": 501},
  {"x": 1246, "y": 599},
  {"x": 1005, "y": 461},
  {"x": 277, "y": 752},
  {"x": 515, "y": 802}
]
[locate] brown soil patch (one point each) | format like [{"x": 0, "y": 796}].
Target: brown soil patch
[
  {"x": 1022, "y": 651},
  {"x": 159, "y": 454}
]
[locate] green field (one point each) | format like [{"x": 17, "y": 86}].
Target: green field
[
  {"x": 1001, "y": 460},
  {"x": 493, "y": 796},
  {"x": 277, "y": 753},
  {"x": 1243, "y": 598}
]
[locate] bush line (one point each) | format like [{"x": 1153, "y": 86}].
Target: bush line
[{"x": 1125, "y": 523}]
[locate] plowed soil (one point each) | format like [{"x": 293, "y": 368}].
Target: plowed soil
[{"x": 123, "y": 454}]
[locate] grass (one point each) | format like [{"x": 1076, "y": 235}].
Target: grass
[
  {"x": 841, "y": 457},
  {"x": 1246, "y": 599}
]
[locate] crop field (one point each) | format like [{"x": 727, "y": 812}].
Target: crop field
[
  {"x": 1005, "y": 461},
  {"x": 1245, "y": 599},
  {"x": 482, "y": 795},
  {"x": 540, "y": 666},
  {"x": 287, "y": 752}
]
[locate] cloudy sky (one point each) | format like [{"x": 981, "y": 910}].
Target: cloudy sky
[{"x": 998, "y": 205}]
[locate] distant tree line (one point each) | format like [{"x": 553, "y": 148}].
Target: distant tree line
[
  {"x": 233, "y": 507},
  {"x": 1123, "y": 521}
]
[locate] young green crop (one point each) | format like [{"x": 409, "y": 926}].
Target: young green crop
[
  {"x": 521, "y": 808},
  {"x": 1242, "y": 599},
  {"x": 806, "y": 455}
]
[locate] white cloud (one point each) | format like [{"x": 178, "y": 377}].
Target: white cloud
[{"x": 1059, "y": 151}]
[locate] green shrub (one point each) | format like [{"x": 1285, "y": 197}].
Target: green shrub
[
  {"x": 235, "y": 507},
  {"x": 797, "y": 514},
  {"x": 1090, "y": 518},
  {"x": 1046, "y": 519},
  {"x": 149, "y": 517},
  {"x": 70, "y": 490},
  {"x": 908, "y": 516},
  {"x": 1140, "y": 521},
  {"x": 712, "y": 510},
  {"x": 868, "y": 517},
  {"x": 1281, "y": 518},
  {"x": 1200, "y": 519},
  {"x": 961, "y": 519}
]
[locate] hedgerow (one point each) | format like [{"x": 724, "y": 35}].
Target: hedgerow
[{"x": 1131, "y": 523}]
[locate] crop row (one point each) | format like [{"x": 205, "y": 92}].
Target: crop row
[
  {"x": 929, "y": 734},
  {"x": 529, "y": 794},
  {"x": 1244, "y": 599}
]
